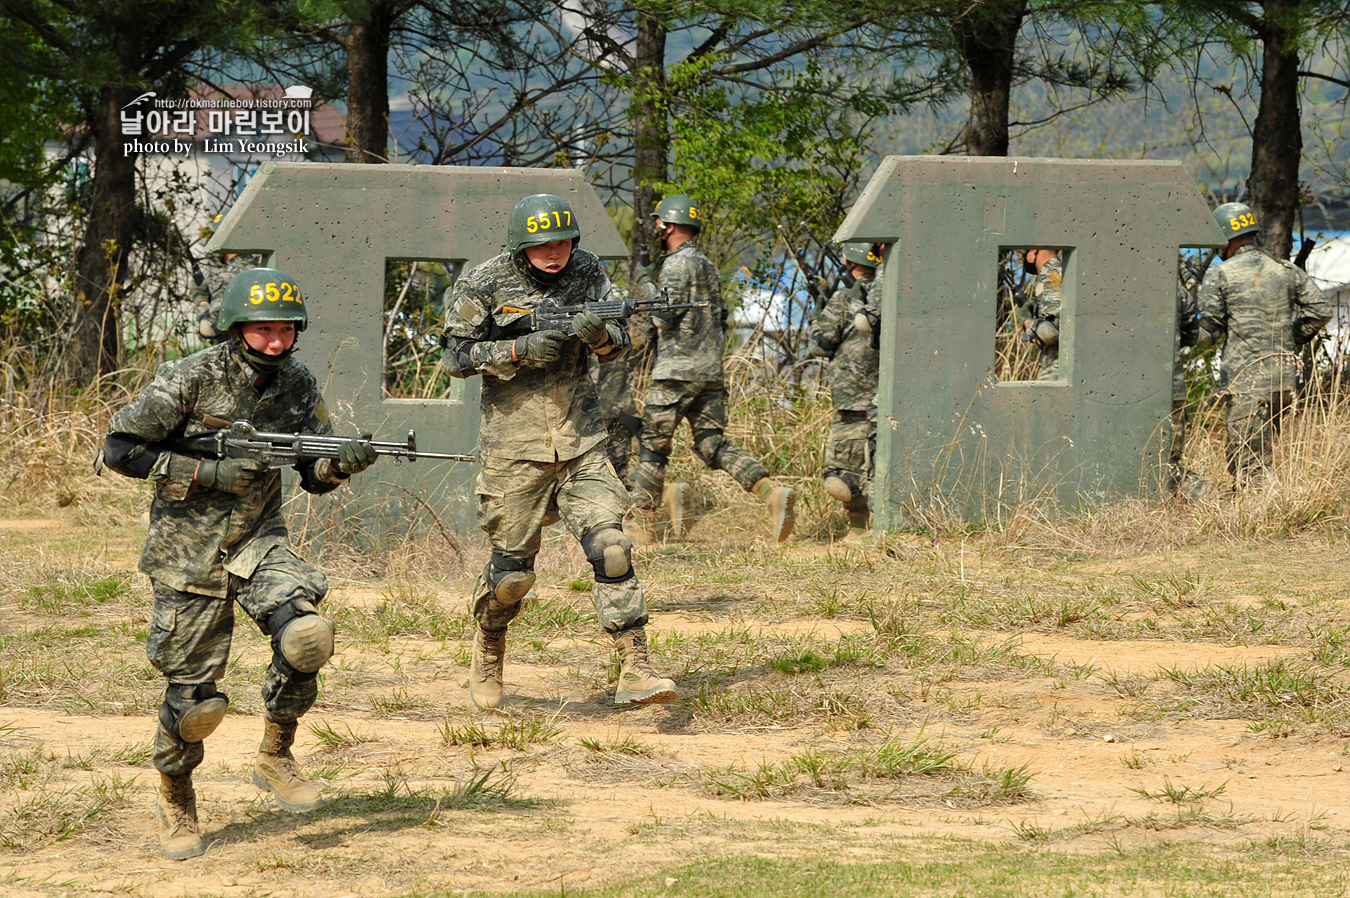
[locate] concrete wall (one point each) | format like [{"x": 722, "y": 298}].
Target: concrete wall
[
  {"x": 332, "y": 227},
  {"x": 950, "y": 437}
]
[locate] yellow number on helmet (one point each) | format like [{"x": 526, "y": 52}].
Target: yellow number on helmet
[
  {"x": 255, "y": 294},
  {"x": 544, "y": 223},
  {"x": 1233, "y": 223},
  {"x": 693, "y": 212}
]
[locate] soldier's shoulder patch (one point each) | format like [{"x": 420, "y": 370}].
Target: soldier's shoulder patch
[
  {"x": 321, "y": 412},
  {"x": 470, "y": 311}
]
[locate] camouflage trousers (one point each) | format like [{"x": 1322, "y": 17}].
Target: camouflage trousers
[
  {"x": 850, "y": 450},
  {"x": 513, "y": 497},
  {"x": 190, "y": 635},
  {"x": 1252, "y": 425},
  {"x": 1049, "y": 363},
  {"x": 704, "y": 406},
  {"x": 620, "y": 413}
]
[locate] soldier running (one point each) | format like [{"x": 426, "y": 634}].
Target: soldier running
[
  {"x": 542, "y": 439},
  {"x": 217, "y": 537}
]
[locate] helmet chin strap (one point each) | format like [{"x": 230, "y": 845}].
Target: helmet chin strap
[
  {"x": 539, "y": 275},
  {"x": 260, "y": 361}
]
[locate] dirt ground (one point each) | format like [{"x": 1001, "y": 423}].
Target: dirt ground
[{"x": 1068, "y": 709}]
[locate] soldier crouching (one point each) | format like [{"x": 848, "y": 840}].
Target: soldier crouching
[
  {"x": 217, "y": 537},
  {"x": 542, "y": 439}
]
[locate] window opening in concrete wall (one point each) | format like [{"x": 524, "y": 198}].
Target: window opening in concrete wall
[
  {"x": 414, "y": 317},
  {"x": 1015, "y": 358},
  {"x": 1032, "y": 313}
]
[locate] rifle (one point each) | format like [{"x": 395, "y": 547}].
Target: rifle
[
  {"x": 550, "y": 316},
  {"x": 241, "y": 439},
  {"x": 814, "y": 281}
]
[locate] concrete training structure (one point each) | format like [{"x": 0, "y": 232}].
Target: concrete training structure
[{"x": 950, "y": 438}]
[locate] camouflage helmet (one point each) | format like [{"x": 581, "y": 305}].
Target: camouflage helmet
[
  {"x": 1236, "y": 219},
  {"x": 262, "y": 294},
  {"x": 681, "y": 210},
  {"x": 541, "y": 218},
  {"x": 867, "y": 255}
]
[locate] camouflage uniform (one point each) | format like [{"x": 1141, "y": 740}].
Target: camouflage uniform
[
  {"x": 688, "y": 381},
  {"x": 211, "y": 291},
  {"x": 853, "y": 389},
  {"x": 1268, "y": 308},
  {"x": 620, "y": 413},
  {"x": 542, "y": 435},
  {"x": 1048, "y": 297},
  {"x": 207, "y": 548},
  {"x": 1174, "y": 427}
]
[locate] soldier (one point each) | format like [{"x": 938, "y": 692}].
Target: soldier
[
  {"x": 1048, "y": 299},
  {"x": 1268, "y": 308},
  {"x": 853, "y": 386},
  {"x": 217, "y": 536},
  {"x": 688, "y": 381},
  {"x": 542, "y": 439},
  {"x": 1180, "y": 481},
  {"x": 211, "y": 291},
  {"x": 620, "y": 414}
]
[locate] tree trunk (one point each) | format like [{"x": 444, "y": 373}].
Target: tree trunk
[
  {"x": 986, "y": 37},
  {"x": 651, "y": 133},
  {"x": 100, "y": 263},
  {"x": 367, "y": 47},
  {"x": 1277, "y": 139}
]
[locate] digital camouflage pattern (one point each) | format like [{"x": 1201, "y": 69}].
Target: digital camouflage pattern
[
  {"x": 689, "y": 342},
  {"x": 190, "y": 636},
  {"x": 854, "y": 365},
  {"x": 1047, "y": 296},
  {"x": 1176, "y": 477},
  {"x": 216, "y": 276},
  {"x": 1188, "y": 329},
  {"x": 542, "y": 435},
  {"x": 513, "y": 497},
  {"x": 620, "y": 413},
  {"x": 1268, "y": 308},
  {"x": 704, "y": 406},
  {"x": 531, "y": 411},
  {"x": 199, "y": 536},
  {"x": 851, "y": 440}
]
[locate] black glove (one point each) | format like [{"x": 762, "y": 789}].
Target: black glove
[
  {"x": 354, "y": 456},
  {"x": 591, "y": 328},
  {"x": 229, "y": 475},
  {"x": 543, "y": 346}
]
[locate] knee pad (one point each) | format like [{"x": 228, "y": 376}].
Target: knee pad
[
  {"x": 301, "y": 637},
  {"x": 609, "y": 552},
  {"x": 192, "y": 712},
  {"x": 509, "y": 579},
  {"x": 708, "y": 446}
]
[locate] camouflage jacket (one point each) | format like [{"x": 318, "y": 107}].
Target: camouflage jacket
[
  {"x": 533, "y": 411},
  {"x": 198, "y": 535},
  {"x": 1188, "y": 327},
  {"x": 1269, "y": 308},
  {"x": 215, "y": 278},
  {"x": 854, "y": 364},
  {"x": 689, "y": 342},
  {"x": 1047, "y": 295}
]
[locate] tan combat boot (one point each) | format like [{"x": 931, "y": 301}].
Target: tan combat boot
[
  {"x": 179, "y": 838},
  {"x": 275, "y": 769},
  {"x": 782, "y": 502},
  {"x": 673, "y": 498},
  {"x": 638, "y": 683},
  {"x": 639, "y": 525},
  {"x": 485, "y": 671}
]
